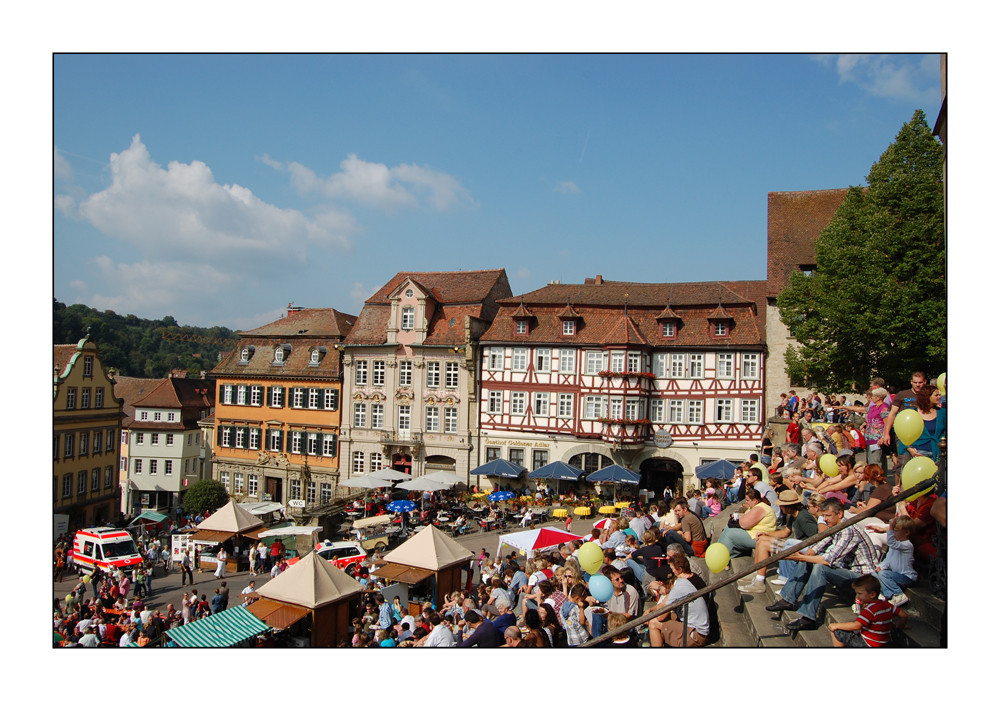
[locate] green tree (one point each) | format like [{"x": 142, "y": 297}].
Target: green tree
[
  {"x": 206, "y": 495},
  {"x": 876, "y": 303}
]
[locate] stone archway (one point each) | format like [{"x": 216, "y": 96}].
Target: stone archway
[{"x": 656, "y": 473}]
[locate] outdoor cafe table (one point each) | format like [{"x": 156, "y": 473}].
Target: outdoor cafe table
[
  {"x": 582, "y": 511},
  {"x": 559, "y": 513},
  {"x": 622, "y": 504},
  {"x": 607, "y": 509}
]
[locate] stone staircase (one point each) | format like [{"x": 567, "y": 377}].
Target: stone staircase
[{"x": 745, "y": 622}]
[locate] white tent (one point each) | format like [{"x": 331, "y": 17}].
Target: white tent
[
  {"x": 448, "y": 478},
  {"x": 537, "y": 540},
  {"x": 311, "y": 582},
  {"x": 422, "y": 484},
  {"x": 430, "y": 549},
  {"x": 231, "y": 518}
]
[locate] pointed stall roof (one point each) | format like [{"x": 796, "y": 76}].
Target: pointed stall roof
[
  {"x": 312, "y": 582},
  {"x": 430, "y": 549},
  {"x": 231, "y": 518}
]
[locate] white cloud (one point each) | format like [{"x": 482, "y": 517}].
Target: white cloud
[
  {"x": 903, "y": 77},
  {"x": 359, "y": 293},
  {"x": 567, "y": 187},
  {"x": 169, "y": 212},
  {"x": 65, "y": 204},
  {"x": 378, "y": 185},
  {"x": 246, "y": 323},
  {"x": 522, "y": 273},
  {"x": 157, "y": 288},
  {"x": 268, "y": 161},
  {"x": 60, "y": 167},
  {"x": 78, "y": 285}
]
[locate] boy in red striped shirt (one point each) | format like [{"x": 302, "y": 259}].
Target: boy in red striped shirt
[{"x": 873, "y": 626}]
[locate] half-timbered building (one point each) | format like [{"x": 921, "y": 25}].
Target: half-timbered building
[{"x": 657, "y": 377}]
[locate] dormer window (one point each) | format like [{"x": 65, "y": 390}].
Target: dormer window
[
  {"x": 668, "y": 329},
  {"x": 407, "y": 317},
  {"x": 568, "y": 327},
  {"x": 721, "y": 327},
  {"x": 409, "y": 294},
  {"x": 314, "y": 356},
  {"x": 281, "y": 353},
  {"x": 521, "y": 327},
  {"x": 246, "y": 354}
]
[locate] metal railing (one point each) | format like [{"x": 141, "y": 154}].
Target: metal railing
[{"x": 808, "y": 542}]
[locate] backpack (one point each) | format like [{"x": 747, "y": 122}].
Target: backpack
[{"x": 854, "y": 439}]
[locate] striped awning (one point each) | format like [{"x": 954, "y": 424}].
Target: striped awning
[
  {"x": 277, "y": 614},
  {"x": 223, "y": 629}
]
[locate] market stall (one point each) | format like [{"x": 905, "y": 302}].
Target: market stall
[
  {"x": 302, "y": 539},
  {"x": 231, "y": 528},
  {"x": 312, "y": 600},
  {"x": 431, "y": 562},
  {"x": 234, "y": 627}
]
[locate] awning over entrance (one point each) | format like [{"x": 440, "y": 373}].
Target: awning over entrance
[
  {"x": 277, "y": 614},
  {"x": 224, "y": 629},
  {"x": 403, "y": 573},
  {"x": 149, "y": 516}
]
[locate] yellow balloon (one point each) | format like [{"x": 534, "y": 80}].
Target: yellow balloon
[
  {"x": 86, "y": 579},
  {"x": 916, "y": 471},
  {"x": 717, "y": 557},
  {"x": 521, "y": 552},
  {"x": 590, "y": 557},
  {"x": 828, "y": 464},
  {"x": 940, "y": 384},
  {"x": 909, "y": 425}
]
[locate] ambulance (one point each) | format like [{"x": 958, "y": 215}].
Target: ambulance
[
  {"x": 104, "y": 547},
  {"x": 345, "y": 554}
]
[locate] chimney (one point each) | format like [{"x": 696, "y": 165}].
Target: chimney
[
  {"x": 292, "y": 310},
  {"x": 598, "y": 280}
]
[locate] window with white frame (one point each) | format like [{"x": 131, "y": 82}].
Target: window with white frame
[
  {"x": 541, "y": 404},
  {"x": 492, "y": 453},
  {"x": 274, "y": 442},
  {"x": 677, "y": 365},
  {"x": 403, "y": 418},
  {"x": 405, "y": 373},
  {"x": 378, "y": 373},
  {"x": 657, "y": 413},
  {"x": 311, "y": 492},
  {"x": 521, "y": 327},
  {"x": 251, "y": 485},
  {"x": 378, "y": 415},
  {"x": 313, "y": 400},
  {"x": 660, "y": 364},
  {"x": 516, "y": 456},
  {"x": 240, "y": 438},
  {"x": 751, "y": 366},
  {"x": 298, "y": 397},
  {"x": 543, "y": 359},
  {"x": 749, "y": 411},
  {"x": 634, "y": 409},
  {"x": 153, "y": 466},
  {"x": 139, "y": 437},
  {"x": 154, "y": 438},
  {"x": 325, "y": 492},
  {"x": 227, "y": 394},
  {"x": 85, "y": 398},
  {"x": 696, "y": 366},
  {"x": 675, "y": 413},
  {"x": 297, "y": 442},
  {"x": 617, "y": 361},
  {"x": 595, "y": 361},
  {"x": 433, "y": 374},
  {"x": 71, "y": 397},
  {"x": 495, "y": 358},
  {"x": 329, "y": 445},
  {"x": 360, "y": 415},
  {"x": 634, "y": 362},
  {"x": 494, "y": 403},
  {"x": 567, "y": 361},
  {"x": 539, "y": 458},
  {"x": 312, "y": 444},
  {"x": 668, "y": 329},
  {"x": 277, "y": 397},
  {"x": 254, "y": 439},
  {"x": 238, "y": 482},
  {"x": 450, "y": 419},
  {"x": 431, "y": 419},
  {"x": 721, "y": 327},
  {"x": 157, "y": 416},
  {"x": 518, "y": 403},
  {"x": 451, "y": 375},
  {"x": 725, "y": 366},
  {"x": 358, "y": 462},
  {"x": 593, "y": 407},
  {"x": 568, "y": 327},
  {"x": 143, "y": 416},
  {"x": 331, "y": 399},
  {"x": 294, "y": 489},
  {"x": 696, "y": 411},
  {"x": 224, "y": 478},
  {"x": 241, "y": 395},
  {"x": 408, "y": 317},
  {"x": 361, "y": 372},
  {"x": 519, "y": 359},
  {"x": 724, "y": 410},
  {"x": 615, "y": 407},
  {"x": 137, "y": 466},
  {"x": 88, "y": 366},
  {"x": 375, "y": 461},
  {"x": 565, "y": 406},
  {"x": 254, "y": 396},
  {"x": 99, "y": 398},
  {"x": 225, "y": 436}
]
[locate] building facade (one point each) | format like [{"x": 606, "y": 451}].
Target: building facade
[
  {"x": 165, "y": 443},
  {"x": 278, "y": 407},
  {"x": 128, "y": 390},
  {"x": 86, "y": 422},
  {"x": 655, "y": 377},
  {"x": 410, "y": 373}
]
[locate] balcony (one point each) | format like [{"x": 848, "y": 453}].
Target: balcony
[
  {"x": 626, "y": 380},
  {"x": 401, "y": 437},
  {"x": 626, "y": 431}
]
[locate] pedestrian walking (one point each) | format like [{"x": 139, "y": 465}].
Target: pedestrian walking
[
  {"x": 253, "y": 560},
  {"x": 60, "y": 556},
  {"x": 186, "y": 573},
  {"x": 220, "y": 568}
]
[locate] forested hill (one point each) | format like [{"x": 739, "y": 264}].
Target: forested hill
[{"x": 142, "y": 347}]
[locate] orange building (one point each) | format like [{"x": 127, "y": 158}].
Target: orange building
[{"x": 277, "y": 410}]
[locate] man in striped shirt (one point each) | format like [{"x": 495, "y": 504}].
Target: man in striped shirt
[
  {"x": 873, "y": 626},
  {"x": 843, "y": 557}
]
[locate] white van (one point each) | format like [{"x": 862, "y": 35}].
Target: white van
[{"x": 104, "y": 547}]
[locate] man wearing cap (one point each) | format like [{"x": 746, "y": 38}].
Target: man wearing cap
[{"x": 801, "y": 525}]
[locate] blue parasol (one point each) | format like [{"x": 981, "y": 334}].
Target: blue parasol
[
  {"x": 500, "y": 496},
  {"x": 498, "y": 468},
  {"x": 401, "y": 505}
]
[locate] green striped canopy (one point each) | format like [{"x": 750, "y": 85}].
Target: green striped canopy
[{"x": 223, "y": 629}]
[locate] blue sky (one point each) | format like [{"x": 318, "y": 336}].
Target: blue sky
[{"x": 219, "y": 188}]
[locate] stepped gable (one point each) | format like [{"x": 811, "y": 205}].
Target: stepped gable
[
  {"x": 794, "y": 222},
  {"x": 300, "y": 330},
  {"x": 456, "y": 295},
  {"x": 599, "y": 306}
]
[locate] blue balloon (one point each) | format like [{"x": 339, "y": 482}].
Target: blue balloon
[{"x": 601, "y": 587}]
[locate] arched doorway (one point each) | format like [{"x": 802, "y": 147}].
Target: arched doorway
[
  {"x": 589, "y": 462},
  {"x": 655, "y": 474},
  {"x": 436, "y": 463}
]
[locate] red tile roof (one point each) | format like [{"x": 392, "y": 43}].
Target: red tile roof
[
  {"x": 794, "y": 222},
  {"x": 131, "y": 390},
  {"x": 447, "y": 287},
  {"x": 307, "y": 322}
]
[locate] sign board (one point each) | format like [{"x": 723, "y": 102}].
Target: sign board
[
  {"x": 297, "y": 503},
  {"x": 60, "y": 523},
  {"x": 144, "y": 500},
  {"x": 663, "y": 439},
  {"x": 179, "y": 544}
]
